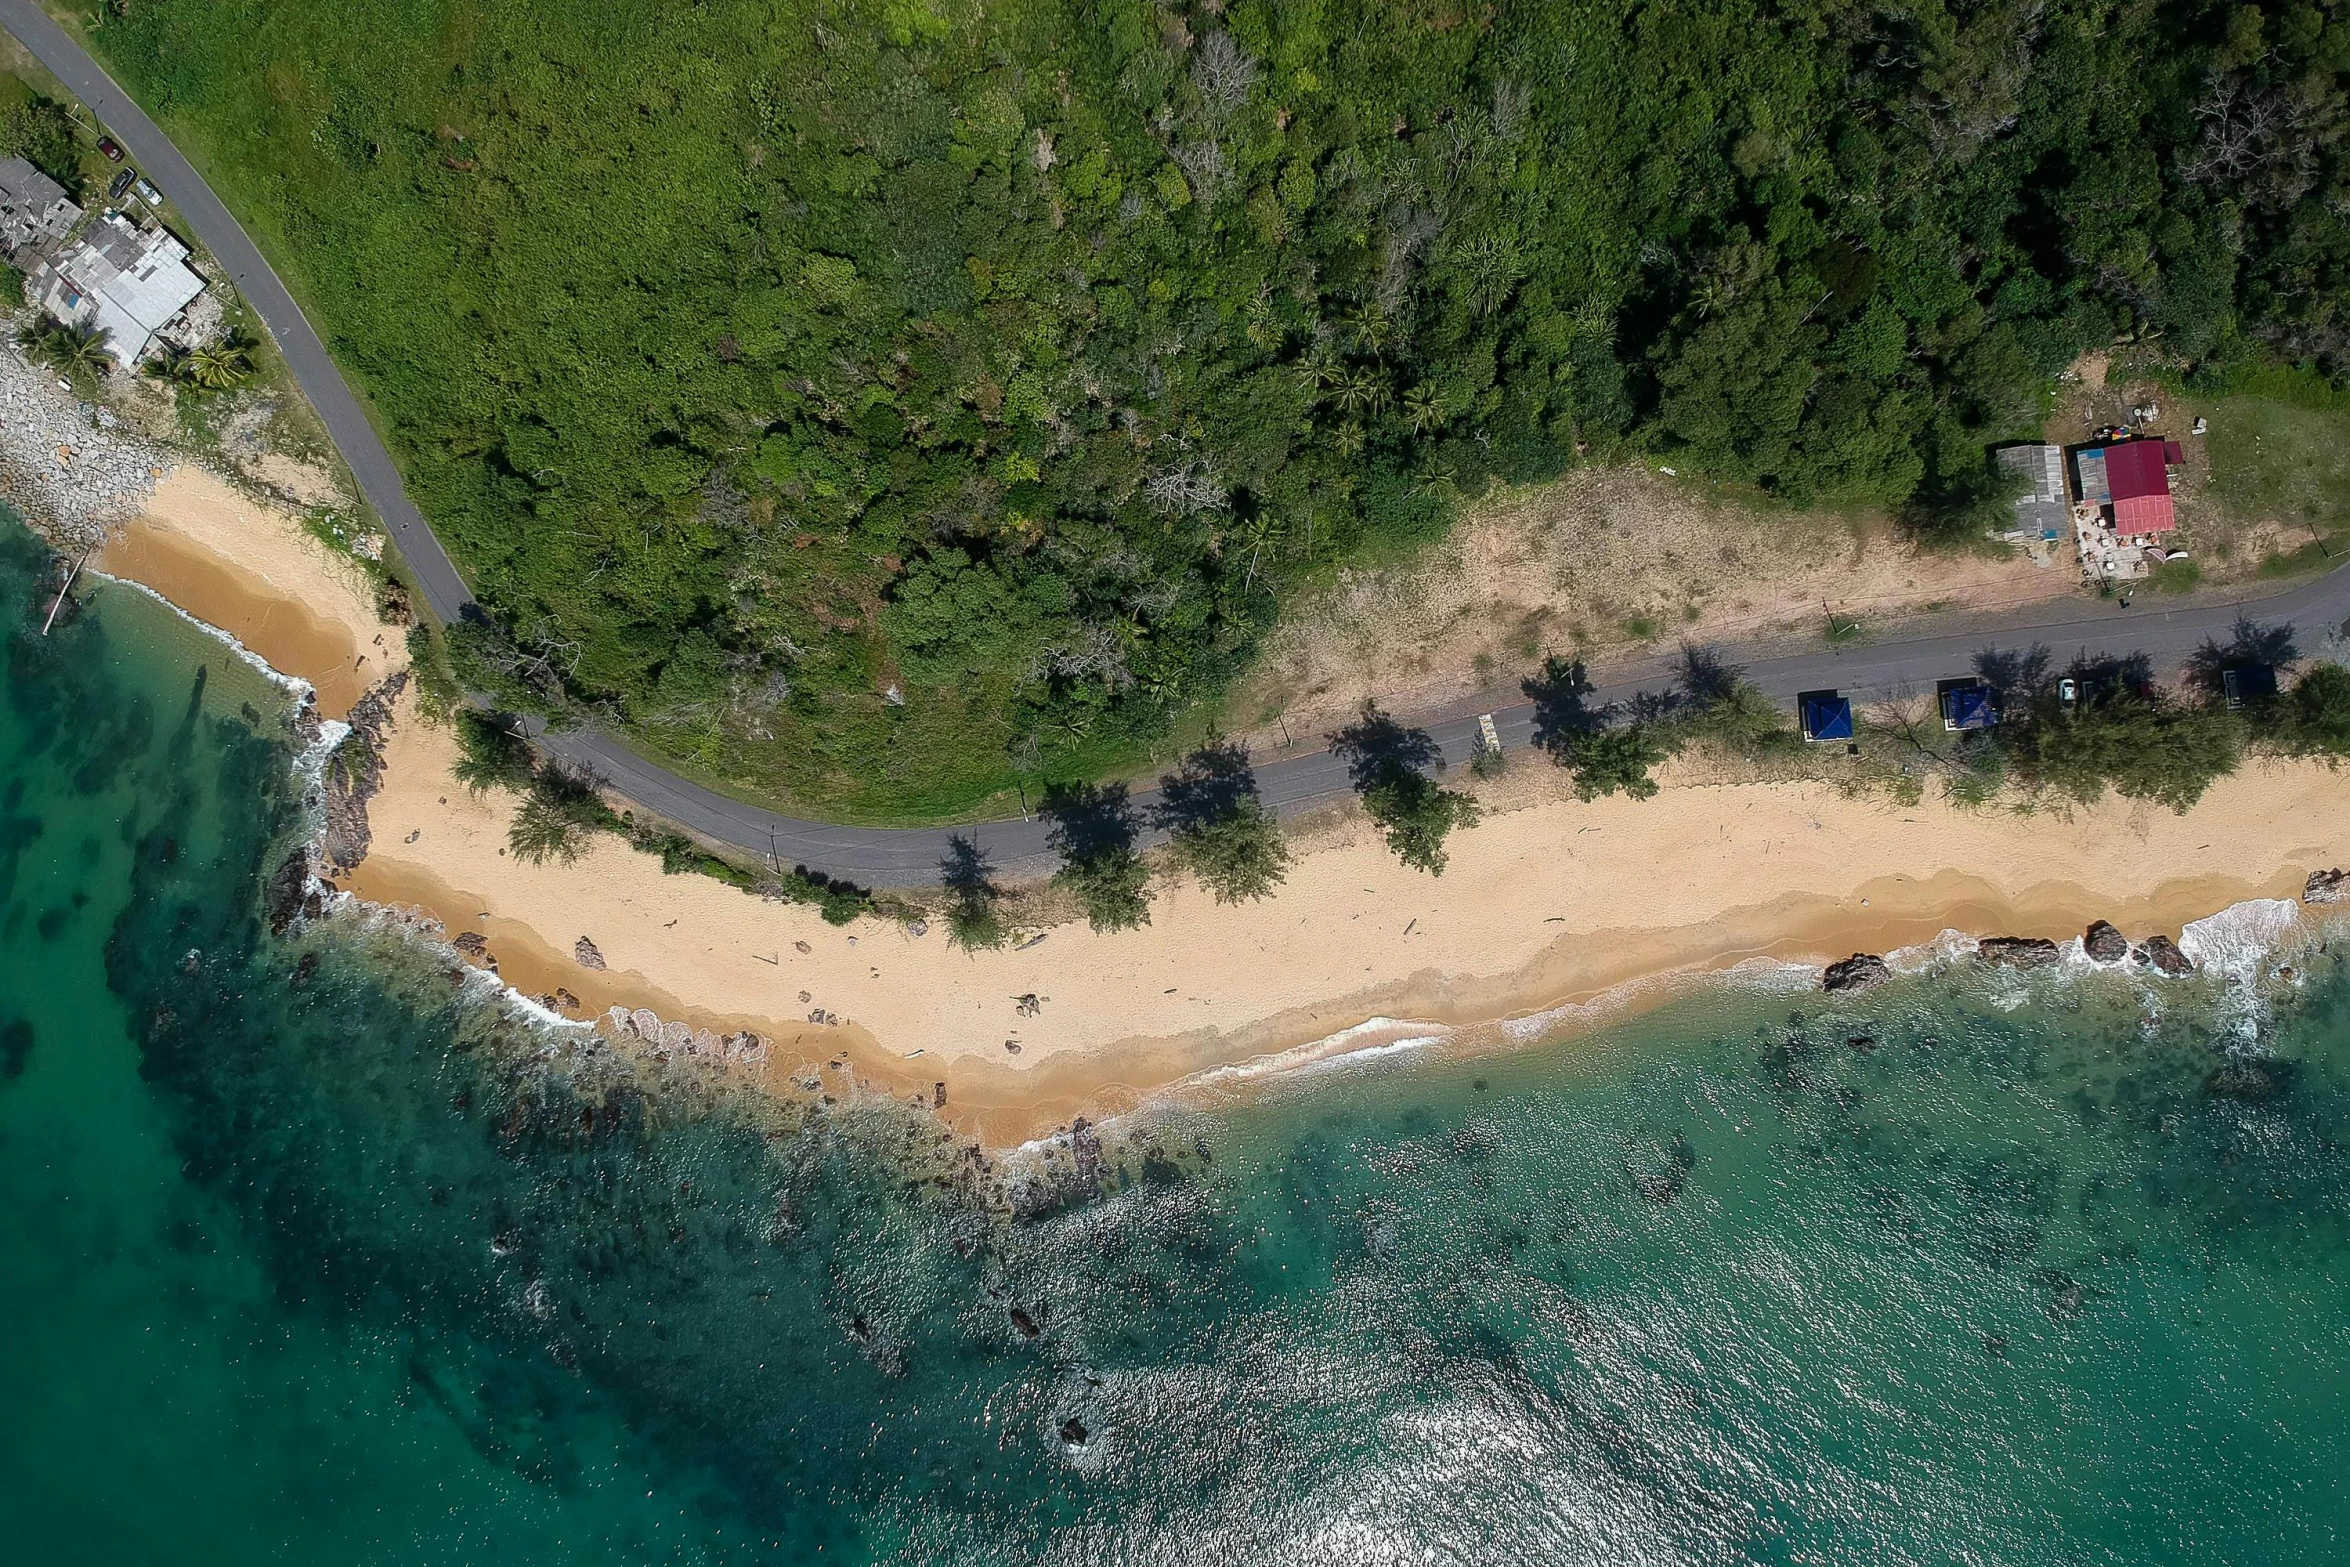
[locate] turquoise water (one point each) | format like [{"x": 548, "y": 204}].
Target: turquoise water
[{"x": 309, "y": 1255}]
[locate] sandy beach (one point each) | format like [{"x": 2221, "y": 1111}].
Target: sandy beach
[
  {"x": 250, "y": 569},
  {"x": 1545, "y": 905}
]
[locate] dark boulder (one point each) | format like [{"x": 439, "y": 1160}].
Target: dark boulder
[
  {"x": 2104, "y": 943},
  {"x": 283, "y": 897},
  {"x": 2327, "y": 887},
  {"x": 1025, "y": 1323},
  {"x": 1861, "y": 971},
  {"x": 1073, "y": 1431},
  {"x": 2016, "y": 951},
  {"x": 2163, "y": 955}
]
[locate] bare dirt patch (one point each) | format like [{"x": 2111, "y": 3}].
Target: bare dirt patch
[{"x": 1603, "y": 564}]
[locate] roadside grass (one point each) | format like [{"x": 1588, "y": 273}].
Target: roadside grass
[{"x": 2286, "y": 463}]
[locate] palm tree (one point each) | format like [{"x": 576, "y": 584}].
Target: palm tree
[
  {"x": 1365, "y": 389},
  {"x": 1423, "y": 409},
  {"x": 1319, "y": 368},
  {"x": 1348, "y": 438},
  {"x": 217, "y": 366},
  {"x": 78, "y": 349}
]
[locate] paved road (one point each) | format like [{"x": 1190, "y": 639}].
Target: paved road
[{"x": 2069, "y": 628}]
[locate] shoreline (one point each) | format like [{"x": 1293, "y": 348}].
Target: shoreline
[{"x": 1555, "y": 915}]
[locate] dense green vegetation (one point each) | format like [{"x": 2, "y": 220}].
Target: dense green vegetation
[
  {"x": 37, "y": 128},
  {"x": 874, "y": 401}
]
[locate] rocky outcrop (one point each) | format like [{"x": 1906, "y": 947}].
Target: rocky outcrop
[
  {"x": 2327, "y": 887},
  {"x": 585, "y": 953},
  {"x": 2105, "y": 944},
  {"x": 69, "y": 465},
  {"x": 355, "y": 771},
  {"x": 472, "y": 943},
  {"x": 2162, "y": 954},
  {"x": 289, "y": 895},
  {"x": 2016, "y": 951},
  {"x": 1861, "y": 972}
]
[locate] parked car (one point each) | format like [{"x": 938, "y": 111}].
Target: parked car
[
  {"x": 111, "y": 148},
  {"x": 120, "y": 183},
  {"x": 2066, "y": 690}
]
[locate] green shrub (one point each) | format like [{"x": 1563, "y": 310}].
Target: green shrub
[
  {"x": 556, "y": 816},
  {"x": 491, "y": 753},
  {"x": 1615, "y": 757},
  {"x": 1417, "y": 816},
  {"x": 2315, "y": 716}
]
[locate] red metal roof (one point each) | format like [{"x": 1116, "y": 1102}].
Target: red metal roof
[{"x": 2136, "y": 473}]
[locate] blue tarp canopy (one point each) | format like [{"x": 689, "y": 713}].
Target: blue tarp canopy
[
  {"x": 1826, "y": 716},
  {"x": 1969, "y": 707}
]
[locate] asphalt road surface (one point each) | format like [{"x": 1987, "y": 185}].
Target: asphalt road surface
[{"x": 2069, "y": 628}]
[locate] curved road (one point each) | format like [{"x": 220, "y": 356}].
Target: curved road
[{"x": 1290, "y": 782}]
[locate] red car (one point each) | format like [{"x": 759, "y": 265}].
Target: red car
[{"x": 107, "y": 145}]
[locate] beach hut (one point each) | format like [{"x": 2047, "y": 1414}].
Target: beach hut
[
  {"x": 1825, "y": 714},
  {"x": 1968, "y": 705}
]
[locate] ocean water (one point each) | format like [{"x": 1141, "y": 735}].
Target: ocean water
[{"x": 309, "y": 1254}]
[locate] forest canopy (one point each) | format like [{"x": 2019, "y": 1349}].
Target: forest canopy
[{"x": 871, "y": 403}]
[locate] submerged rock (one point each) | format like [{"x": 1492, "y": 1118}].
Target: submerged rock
[
  {"x": 2105, "y": 944},
  {"x": 2327, "y": 887},
  {"x": 1025, "y": 1323},
  {"x": 584, "y": 952},
  {"x": 1861, "y": 971},
  {"x": 16, "y": 1047},
  {"x": 2250, "y": 1079},
  {"x": 471, "y": 942},
  {"x": 1073, "y": 1431},
  {"x": 2163, "y": 955},
  {"x": 2016, "y": 951}
]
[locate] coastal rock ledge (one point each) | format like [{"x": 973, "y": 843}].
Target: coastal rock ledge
[
  {"x": 2163, "y": 955},
  {"x": 1862, "y": 971},
  {"x": 2016, "y": 951},
  {"x": 2327, "y": 887},
  {"x": 2105, "y": 944}
]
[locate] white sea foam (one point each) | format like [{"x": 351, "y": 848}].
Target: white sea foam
[
  {"x": 1947, "y": 946},
  {"x": 293, "y": 683},
  {"x": 2239, "y": 940},
  {"x": 1365, "y": 1041}
]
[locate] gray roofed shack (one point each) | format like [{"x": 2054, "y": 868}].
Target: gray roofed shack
[
  {"x": 2044, "y": 512},
  {"x": 131, "y": 283},
  {"x": 34, "y": 209}
]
